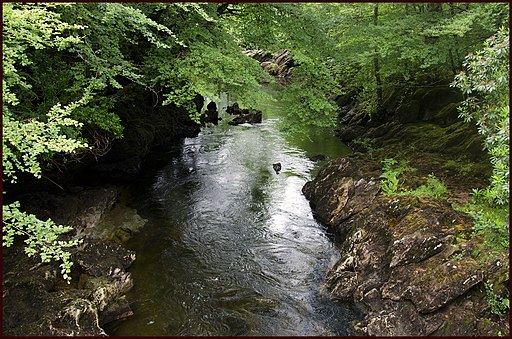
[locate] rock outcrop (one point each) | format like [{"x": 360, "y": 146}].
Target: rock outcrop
[
  {"x": 279, "y": 64},
  {"x": 38, "y": 302},
  {"x": 244, "y": 115},
  {"x": 147, "y": 125},
  {"x": 424, "y": 118},
  {"x": 211, "y": 115},
  {"x": 410, "y": 264}
]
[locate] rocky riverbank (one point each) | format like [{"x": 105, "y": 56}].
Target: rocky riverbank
[
  {"x": 411, "y": 264},
  {"x": 36, "y": 299}
]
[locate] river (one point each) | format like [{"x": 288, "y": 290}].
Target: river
[{"x": 229, "y": 246}]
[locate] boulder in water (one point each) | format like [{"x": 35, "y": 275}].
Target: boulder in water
[
  {"x": 277, "y": 167},
  {"x": 318, "y": 157},
  {"x": 211, "y": 114},
  {"x": 251, "y": 116},
  {"x": 234, "y": 109}
]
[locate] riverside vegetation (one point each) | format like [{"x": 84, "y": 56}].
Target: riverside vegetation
[{"x": 416, "y": 89}]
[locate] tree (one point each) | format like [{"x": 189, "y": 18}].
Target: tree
[
  {"x": 60, "y": 63},
  {"x": 299, "y": 29},
  {"x": 413, "y": 44},
  {"x": 486, "y": 85},
  {"x": 27, "y": 139},
  {"x": 64, "y": 66}
]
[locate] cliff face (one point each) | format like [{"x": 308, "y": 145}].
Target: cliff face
[{"x": 410, "y": 263}]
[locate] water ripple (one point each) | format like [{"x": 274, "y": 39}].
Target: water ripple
[{"x": 231, "y": 247}]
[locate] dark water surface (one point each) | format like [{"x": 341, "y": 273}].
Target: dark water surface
[{"x": 229, "y": 246}]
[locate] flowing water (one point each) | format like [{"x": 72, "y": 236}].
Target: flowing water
[{"x": 229, "y": 246}]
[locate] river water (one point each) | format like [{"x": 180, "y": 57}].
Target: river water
[{"x": 229, "y": 246}]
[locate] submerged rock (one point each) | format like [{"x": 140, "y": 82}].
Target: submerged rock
[
  {"x": 277, "y": 167},
  {"x": 318, "y": 157}
]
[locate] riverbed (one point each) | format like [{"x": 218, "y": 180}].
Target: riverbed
[{"x": 229, "y": 246}]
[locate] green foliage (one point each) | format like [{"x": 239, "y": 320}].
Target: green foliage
[
  {"x": 29, "y": 139},
  {"x": 308, "y": 94},
  {"x": 433, "y": 188},
  {"x": 25, "y": 29},
  {"x": 416, "y": 44},
  {"x": 490, "y": 220},
  {"x": 298, "y": 28},
  {"x": 65, "y": 66},
  {"x": 497, "y": 304},
  {"x": 391, "y": 170},
  {"x": 26, "y": 142},
  {"x": 462, "y": 165},
  {"x": 209, "y": 71},
  {"x": 390, "y": 183},
  {"x": 41, "y": 237},
  {"x": 366, "y": 143},
  {"x": 486, "y": 84}
]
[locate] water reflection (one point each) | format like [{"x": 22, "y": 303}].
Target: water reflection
[{"x": 231, "y": 247}]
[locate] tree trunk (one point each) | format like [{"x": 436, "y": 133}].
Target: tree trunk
[
  {"x": 454, "y": 69},
  {"x": 376, "y": 70},
  {"x": 435, "y": 7}
]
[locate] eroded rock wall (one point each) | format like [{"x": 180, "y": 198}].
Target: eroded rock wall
[
  {"x": 410, "y": 263},
  {"x": 38, "y": 302},
  {"x": 424, "y": 118}
]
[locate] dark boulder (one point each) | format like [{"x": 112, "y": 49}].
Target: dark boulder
[
  {"x": 250, "y": 116},
  {"x": 277, "y": 167},
  {"x": 212, "y": 106},
  {"x": 351, "y": 132},
  {"x": 318, "y": 157},
  {"x": 234, "y": 109},
  {"x": 211, "y": 115}
]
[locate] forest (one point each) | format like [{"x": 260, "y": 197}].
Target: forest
[{"x": 87, "y": 85}]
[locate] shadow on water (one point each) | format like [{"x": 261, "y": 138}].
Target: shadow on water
[{"x": 229, "y": 246}]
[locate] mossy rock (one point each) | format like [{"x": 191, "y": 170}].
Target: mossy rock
[
  {"x": 457, "y": 139},
  {"x": 412, "y": 250},
  {"x": 408, "y": 112},
  {"x": 436, "y": 100}
]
